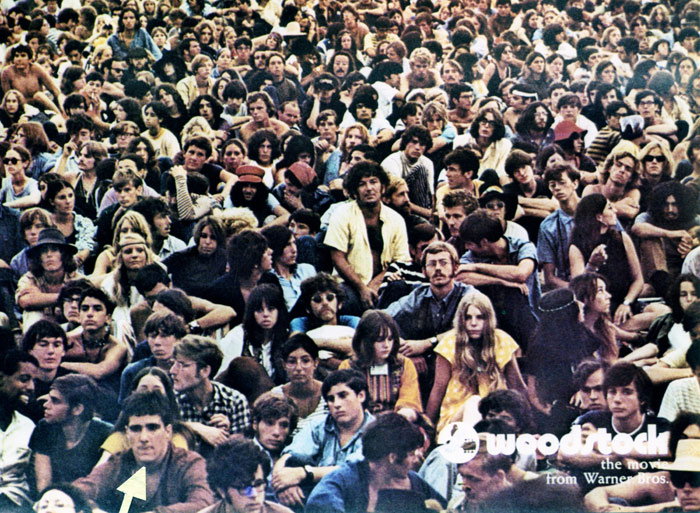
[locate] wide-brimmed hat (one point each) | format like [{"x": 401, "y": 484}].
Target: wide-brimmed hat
[
  {"x": 687, "y": 457},
  {"x": 487, "y": 192},
  {"x": 51, "y": 236},
  {"x": 566, "y": 129}
]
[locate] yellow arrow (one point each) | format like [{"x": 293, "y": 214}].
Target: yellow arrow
[{"x": 135, "y": 486}]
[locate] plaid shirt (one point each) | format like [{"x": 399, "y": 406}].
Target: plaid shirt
[{"x": 225, "y": 400}]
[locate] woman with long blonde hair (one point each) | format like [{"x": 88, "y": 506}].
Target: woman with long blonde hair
[{"x": 476, "y": 360}]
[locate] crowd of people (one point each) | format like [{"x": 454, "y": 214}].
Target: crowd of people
[{"x": 284, "y": 255}]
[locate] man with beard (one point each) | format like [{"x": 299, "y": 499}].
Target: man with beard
[
  {"x": 391, "y": 447},
  {"x": 261, "y": 108},
  {"x": 365, "y": 236},
  {"x": 663, "y": 230},
  {"x": 426, "y": 315},
  {"x": 17, "y": 374},
  {"x": 535, "y": 126},
  {"x": 396, "y": 197},
  {"x": 411, "y": 164},
  {"x": 421, "y": 75}
]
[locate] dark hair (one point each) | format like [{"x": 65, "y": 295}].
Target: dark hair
[
  {"x": 527, "y": 119},
  {"x": 41, "y": 329},
  {"x": 149, "y": 208},
  {"x": 35, "y": 267},
  {"x": 692, "y": 356},
  {"x": 141, "y": 404},
  {"x": 374, "y": 325},
  {"x": 674, "y": 291},
  {"x": 149, "y": 276},
  {"x": 80, "y": 501},
  {"x": 71, "y": 288},
  {"x": 682, "y": 195},
  {"x": 165, "y": 324},
  {"x": 271, "y": 297},
  {"x": 555, "y": 171},
  {"x": 217, "y": 110},
  {"x": 680, "y": 424},
  {"x": 278, "y": 237},
  {"x": 499, "y": 130},
  {"x": 271, "y": 406},
  {"x": 299, "y": 340},
  {"x": 245, "y": 251},
  {"x": 349, "y": 377},
  {"x": 177, "y": 302},
  {"x": 167, "y": 383},
  {"x": 585, "y": 369},
  {"x": 478, "y": 226},
  {"x": 419, "y": 132},
  {"x": 362, "y": 170},
  {"x": 691, "y": 317},
  {"x": 509, "y": 401},
  {"x": 308, "y": 217},
  {"x": 624, "y": 373},
  {"x": 217, "y": 230},
  {"x": 258, "y": 138},
  {"x": 585, "y": 234},
  {"x": 390, "y": 433},
  {"x": 234, "y": 463},
  {"x": 78, "y": 389},
  {"x": 516, "y": 160},
  {"x": 101, "y": 296}
]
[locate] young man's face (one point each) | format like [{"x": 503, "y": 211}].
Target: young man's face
[
  {"x": 49, "y": 351},
  {"x": 454, "y": 217},
  {"x": 327, "y": 129},
  {"x": 324, "y": 306},
  {"x": 455, "y": 178},
  {"x": 414, "y": 149},
  {"x": 439, "y": 269},
  {"x": 592, "y": 396},
  {"x": 524, "y": 175},
  {"x": 290, "y": 115},
  {"x": 369, "y": 190},
  {"x": 93, "y": 314},
  {"x": 56, "y": 408},
  {"x": 687, "y": 488},
  {"x": 249, "y": 498},
  {"x": 647, "y": 107},
  {"x": 258, "y": 111},
  {"x": 344, "y": 404},
  {"x": 161, "y": 345},
  {"x": 185, "y": 374},
  {"x": 272, "y": 435},
  {"x": 19, "y": 387},
  {"x": 671, "y": 211},
  {"x": 162, "y": 224},
  {"x": 21, "y": 59},
  {"x": 299, "y": 229},
  {"x": 623, "y": 402},
  {"x": 149, "y": 438},
  {"x": 563, "y": 187},
  {"x": 150, "y": 120},
  {"x": 128, "y": 195},
  {"x": 195, "y": 158}
]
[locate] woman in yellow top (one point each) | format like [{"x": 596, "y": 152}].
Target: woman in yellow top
[
  {"x": 392, "y": 378},
  {"x": 476, "y": 360}
]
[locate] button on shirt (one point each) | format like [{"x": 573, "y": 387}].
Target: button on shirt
[
  {"x": 14, "y": 459},
  {"x": 225, "y": 400},
  {"x": 318, "y": 443}
]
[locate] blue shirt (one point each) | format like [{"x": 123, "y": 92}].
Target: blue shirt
[
  {"x": 318, "y": 443},
  {"x": 553, "y": 242},
  {"x": 304, "y": 324},
  {"x": 292, "y": 288},
  {"x": 141, "y": 40},
  {"x": 518, "y": 250}
]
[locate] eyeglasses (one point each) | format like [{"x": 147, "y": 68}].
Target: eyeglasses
[
  {"x": 680, "y": 478},
  {"x": 489, "y": 122},
  {"x": 318, "y": 298},
  {"x": 647, "y": 103},
  {"x": 495, "y": 205},
  {"x": 655, "y": 158},
  {"x": 252, "y": 489},
  {"x": 11, "y": 160}
]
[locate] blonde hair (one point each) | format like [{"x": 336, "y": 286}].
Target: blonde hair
[
  {"x": 364, "y": 134},
  {"x": 197, "y": 125},
  {"x": 120, "y": 292},
  {"x": 471, "y": 358},
  {"x": 237, "y": 219}
]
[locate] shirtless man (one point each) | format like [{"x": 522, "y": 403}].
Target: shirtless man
[
  {"x": 29, "y": 79},
  {"x": 260, "y": 107}
]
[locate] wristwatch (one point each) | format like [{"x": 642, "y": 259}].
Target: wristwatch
[
  {"x": 434, "y": 341},
  {"x": 309, "y": 477},
  {"x": 195, "y": 327}
]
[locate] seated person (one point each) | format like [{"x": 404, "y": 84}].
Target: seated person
[
  {"x": 238, "y": 472},
  {"x": 129, "y": 187},
  {"x": 93, "y": 351},
  {"x": 66, "y": 442},
  {"x": 390, "y": 446},
  {"x": 274, "y": 420},
  {"x": 175, "y": 477},
  {"x": 683, "y": 395},
  {"x": 328, "y": 441},
  {"x": 321, "y": 300},
  {"x": 212, "y": 410}
]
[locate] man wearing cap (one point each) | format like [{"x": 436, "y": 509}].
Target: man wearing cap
[
  {"x": 569, "y": 107},
  {"x": 299, "y": 188},
  {"x": 247, "y": 192},
  {"x": 261, "y": 108},
  {"x": 323, "y": 96},
  {"x": 51, "y": 265}
]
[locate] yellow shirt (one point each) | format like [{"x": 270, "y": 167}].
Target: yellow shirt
[{"x": 456, "y": 393}]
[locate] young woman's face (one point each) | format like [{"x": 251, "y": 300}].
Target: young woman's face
[
  {"x": 537, "y": 65},
  {"x": 346, "y": 42},
  {"x": 266, "y": 317},
  {"x": 55, "y": 501},
  {"x": 233, "y": 157},
  {"x": 160, "y": 38},
  {"x": 352, "y": 139},
  {"x": 475, "y": 321},
  {"x": 150, "y": 383},
  {"x": 300, "y": 367},
  {"x": 610, "y": 96},
  {"x": 601, "y": 300},
  {"x": 13, "y": 163},
  {"x": 11, "y": 104},
  {"x": 687, "y": 295},
  {"x": 685, "y": 68},
  {"x": 64, "y": 202},
  {"x": 383, "y": 347},
  {"x": 134, "y": 256},
  {"x": 142, "y": 151}
]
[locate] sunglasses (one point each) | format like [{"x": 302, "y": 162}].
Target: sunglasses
[
  {"x": 251, "y": 489},
  {"x": 680, "y": 478},
  {"x": 11, "y": 160},
  {"x": 318, "y": 298},
  {"x": 655, "y": 158}
]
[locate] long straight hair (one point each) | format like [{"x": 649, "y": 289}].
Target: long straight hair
[{"x": 476, "y": 357}]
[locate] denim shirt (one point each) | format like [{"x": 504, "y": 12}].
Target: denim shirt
[{"x": 318, "y": 444}]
